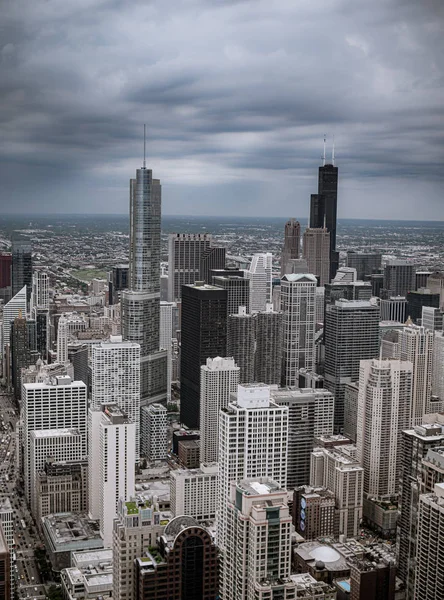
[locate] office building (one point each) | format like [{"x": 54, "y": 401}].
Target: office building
[
  {"x": 438, "y": 366},
  {"x": 5, "y": 567},
  {"x": 320, "y": 305},
  {"x": 298, "y": 300},
  {"x": 241, "y": 343},
  {"x": 5, "y": 270},
  {"x": 111, "y": 467},
  {"x": 365, "y": 263},
  {"x": 212, "y": 258},
  {"x": 40, "y": 289},
  {"x": 78, "y": 355},
  {"x": 203, "y": 335},
  {"x": 260, "y": 276},
  {"x": 257, "y": 511},
  {"x": 68, "y": 324},
  {"x": 116, "y": 378},
  {"x": 316, "y": 251},
  {"x": 141, "y": 302},
  {"x": 421, "y": 278},
  {"x": 268, "y": 355},
  {"x": 7, "y": 528},
  {"x": 351, "y": 335},
  {"x": 335, "y": 468},
  {"x": 314, "y": 512},
  {"x": 399, "y": 278},
  {"x": 118, "y": 281},
  {"x": 165, "y": 339},
  {"x": 429, "y": 582},
  {"x": 193, "y": 492},
  {"x": 323, "y": 208},
  {"x": 184, "y": 257},
  {"x": 219, "y": 379},
  {"x": 21, "y": 265},
  {"x": 351, "y": 393},
  {"x": 183, "y": 566},
  {"x": 57, "y": 444},
  {"x": 351, "y": 290},
  {"x": 432, "y": 318},
  {"x": 189, "y": 453},
  {"x": 12, "y": 309},
  {"x": 415, "y": 446},
  {"x": 301, "y": 425},
  {"x": 417, "y": 300},
  {"x": 385, "y": 394},
  {"x": 21, "y": 355},
  {"x": 57, "y": 403},
  {"x": 292, "y": 244},
  {"x": 154, "y": 432},
  {"x": 138, "y": 525},
  {"x": 394, "y": 309},
  {"x": 238, "y": 292},
  {"x": 253, "y": 442}
]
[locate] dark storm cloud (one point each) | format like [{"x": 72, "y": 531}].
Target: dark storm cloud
[{"x": 237, "y": 96}]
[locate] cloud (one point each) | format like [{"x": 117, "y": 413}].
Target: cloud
[{"x": 237, "y": 96}]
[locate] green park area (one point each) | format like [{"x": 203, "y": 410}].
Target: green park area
[{"x": 89, "y": 274}]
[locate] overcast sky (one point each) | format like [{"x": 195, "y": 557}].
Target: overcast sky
[{"x": 237, "y": 96}]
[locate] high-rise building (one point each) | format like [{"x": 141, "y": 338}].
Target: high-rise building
[
  {"x": 203, "y": 335},
  {"x": 417, "y": 300},
  {"x": 268, "y": 355},
  {"x": 323, "y": 208},
  {"x": 336, "y": 469},
  {"x": 5, "y": 270},
  {"x": 253, "y": 442},
  {"x": 184, "y": 566},
  {"x": 154, "y": 432},
  {"x": 68, "y": 323},
  {"x": 78, "y": 356},
  {"x": 193, "y": 492},
  {"x": 238, "y": 289},
  {"x": 115, "y": 367},
  {"x": 11, "y": 310},
  {"x": 432, "y": 318},
  {"x": 429, "y": 582},
  {"x": 314, "y": 512},
  {"x": 21, "y": 266},
  {"x": 351, "y": 335},
  {"x": 438, "y": 366},
  {"x": 219, "y": 379},
  {"x": 292, "y": 244},
  {"x": 365, "y": 263},
  {"x": 301, "y": 426},
  {"x": 393, "y": 309},
  {"x": 399, "y": 278},
  {"x": 257, "y": 511},
  {"x": 211, "y": 258},
  {"x": 40, "y": 289},
  {"x": 241, "y": 343},
  {"x": 58, "y": 403},
  {"x": 165, "y": 339},
  {"x": 415, "y": 445},
  {"x": 260, "y": 276},
  {"x": 5, "y": 567},
  {"x": 111, "y": 467},
  {"x": 184, "y": 259},
  {"x": 118, "y": 281},
  {"x": 317, "y": 253},
  {"x": 298, "y": 300},
  {"x": 21, "y": 355},
  {"x": 7, "y": 526},
  {"x": 385, "y": 394},
  {"x": 141, "y": 302}
]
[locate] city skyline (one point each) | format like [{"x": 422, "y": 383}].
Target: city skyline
[{"x": 236, "y": 107}]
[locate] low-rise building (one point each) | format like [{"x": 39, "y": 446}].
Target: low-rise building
[{"x": 90, "y": 577}]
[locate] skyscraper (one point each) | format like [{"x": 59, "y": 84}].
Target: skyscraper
[
  {"x": 204, "y": 335},
  {"x": 21, "y": 265},
  {"x": 292, "y": 244},
  {"x": 21, "y": 356},
  {"x": 316, "y": 251},
  {"x": 11, "y": 310},
  {"x": 260, "y": 276},
  {"x": 351, "y": 335},
  {"x": 399, "y": 278},
  {"x": 5, "y": 270},
  {"x": 165, "y": 339},
  {"x": 298, "y": 301},
  {"x": 241, "y": 343},
  {"x": 219, "y": 379},
  {"x": 118, "y": 281},
  {"x": 154, "y": 432},
  {"x": 268, "y": 355},
  {"x": 323, "y": 208},
  {"x": 184, "y": 260},
  {"x": 111, "y": 467},
  {"x": 238, "y": 289},
  {"x": 140, "y": 304},
  {"x": 40, "y": 289},
  {"x": 211, "y": 258},
  {"x": 365, "y": 263}
]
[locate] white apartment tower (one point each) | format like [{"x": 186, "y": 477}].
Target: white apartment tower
[
  {"x": 116, "y": 378},
  {"x": 298, "y": 303},
  {"x": 219, "y": 378},
  {"x": 253, "y": 442},
  {"x": 68, "y": 323},
  {"x": 260, "y": 276},
  {"x": 193, "y": 492},
  {"x": 111, "y": 464},
  {"x": 154, "y": 432},
  {"x": 58, "y": 403},
  {"x": 384, "y": 400},
  {"x": 40, "y": 289},
  {"x": 165, "y": 339},
  {"x": 258, "y": 544},
  {"x": 438, "y": 366}
]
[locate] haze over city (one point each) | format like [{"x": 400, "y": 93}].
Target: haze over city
[{"x": 237, "y": 97}]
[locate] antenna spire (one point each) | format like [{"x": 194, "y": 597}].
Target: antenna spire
[
  {"x": 333, "y": 152},
  {"x": 144, "y": 146},
  {"x": 325, "y": 140}
]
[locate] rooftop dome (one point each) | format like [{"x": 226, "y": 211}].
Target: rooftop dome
[
  {"x": 176, "y": 525},
  {"x": 325, "y": 554}
]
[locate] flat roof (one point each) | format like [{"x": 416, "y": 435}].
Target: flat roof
[{"x": 47, "y": 433}]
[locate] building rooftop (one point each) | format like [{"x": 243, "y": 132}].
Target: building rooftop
[
  {"x": 258, "y": 487},
  {"x": 48, "y": 433},
  {"x": 67, "y": 531},
  {"x": 90, "y": 557}
]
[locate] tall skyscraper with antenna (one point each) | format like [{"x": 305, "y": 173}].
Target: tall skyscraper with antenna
[
  {"x": 324, "y": 205},
  {"x": 141, "y": 302}
]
